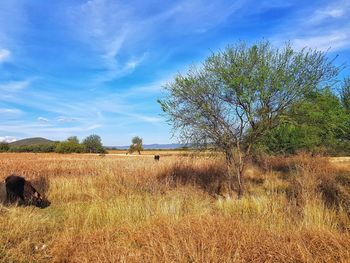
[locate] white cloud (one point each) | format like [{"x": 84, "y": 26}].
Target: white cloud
[
  {"x": 134, "y": 62},
  {"x": 121, "y": 35},
  {"x": 14, "y": 86},
  {"x": 7, "y": 139},
  {"x": 42, "y": 119},
  {"x": 28, "y": 129},
  {"x": 4, "y": 55},
  {"x": 335, "y": 10},
  {"x": 327, "y": 28},
  {"x": 113, "y": 47},
  {"x": 66, "y": 119},
  {"x": 93, "y": 127},
  {"x": 7, "y": 111},
  {"x": 148, "y": 119},
  {"x": 332, "y": 40}
]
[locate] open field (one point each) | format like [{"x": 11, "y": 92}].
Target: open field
[
  {"x": 160, "y": 152},
  {"x": 118, "y": 209}
]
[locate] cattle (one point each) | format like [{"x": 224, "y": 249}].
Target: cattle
[
  {"x": 21, "y": 191},
  {"x": 156, "y": 157}
]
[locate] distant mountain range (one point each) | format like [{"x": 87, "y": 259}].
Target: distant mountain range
[
  {"x": 40, "y": 140},
  {"x": 152, "y": 146},
  {"x": 30, "y": 141}
]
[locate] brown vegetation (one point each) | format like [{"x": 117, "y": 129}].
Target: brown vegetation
[{"x": 117, "y": 209}]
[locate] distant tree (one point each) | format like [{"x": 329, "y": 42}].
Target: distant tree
[
  {"x": 4, "y": 147},
  {"x": 136, "y": 145},
  {"x": 240, "y": 94},
  {"x": 93, "y": 144},
  {"x": 73, "y": 139},
  {"x": 48, "y": 147},
  {"x": 71, "y": 145},
  {"x": 37, "y": 148}
]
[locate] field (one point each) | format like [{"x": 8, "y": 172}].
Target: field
[{"x": 118, "y": 209}]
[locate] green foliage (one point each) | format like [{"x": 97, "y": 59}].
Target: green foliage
[
  {"x": 4, "y": 147},
  {"x": 243, "y": 92},
  {"x": 73, "y": 139},
  {"x": 69, "y": 146},
  {"x": 136, "y": 145},
  {"x": 240, "y": 94},
  {"x": 345, "y": 94},
  {"x": 93, "y": 144},
  {"x": 36, "y": 148},
  {"x": 317, "y": 123}
]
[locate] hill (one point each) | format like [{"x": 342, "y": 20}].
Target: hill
[{"x": 30, "y": 141}]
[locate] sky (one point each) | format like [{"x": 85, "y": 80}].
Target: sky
[{"x": 77, "y": 67}]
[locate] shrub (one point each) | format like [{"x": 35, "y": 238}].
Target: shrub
[
  {"x": 69, "y": 147},
  {"x": 93, "y": 144},
  {"x": 4, "y": 147}
]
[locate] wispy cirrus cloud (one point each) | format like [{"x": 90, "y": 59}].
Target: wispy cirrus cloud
[
  {"x": 27, "y": 129},
  {"x": 5, "y": 55},
  {"x": 333, "y": 11},
  {"x": 10, "y": 111},
  {"x": 333, "y": 40},
  {"x": 124, "y": 35},
  {"x": 15, "y": 86},
  {"x": 324, "y": 28},
  {"x": 103, "y": 68},
  {"x": 66, "y": 119},
  {"x": 42, "y": 119}
]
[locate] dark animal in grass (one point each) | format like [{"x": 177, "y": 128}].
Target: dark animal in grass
[
  {"x": 156, "y": 157},
  {"x": 21, "y": 191}
]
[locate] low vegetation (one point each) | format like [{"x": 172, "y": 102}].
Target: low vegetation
[
  {"x": 91, "y": 144},
  {"x": 121, "y": 209}
]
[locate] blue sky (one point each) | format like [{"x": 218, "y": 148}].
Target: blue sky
[{"x": 77, "y": 67}]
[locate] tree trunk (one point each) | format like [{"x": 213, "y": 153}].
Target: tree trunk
[
  {"x": 229, "y": 163},
  {"x": 240, "y": 168},
  {"x": 240, "y": 180},
  {"x": 236, "y": 167}
]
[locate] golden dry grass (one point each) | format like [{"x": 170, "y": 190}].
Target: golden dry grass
[{"x": 118, "y": 209}]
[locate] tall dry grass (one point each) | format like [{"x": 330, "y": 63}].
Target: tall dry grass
[{"x": 119, "y": 209}]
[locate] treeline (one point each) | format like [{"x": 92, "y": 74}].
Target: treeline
[
  {"x": 91, "y": 144},
  {"x": 319, "y": 123}
]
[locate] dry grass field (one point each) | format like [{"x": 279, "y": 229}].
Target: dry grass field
[{"x": 118, "y": 209}]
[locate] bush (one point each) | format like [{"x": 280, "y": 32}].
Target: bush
[
  {"x": 93, "y": 144},
  {"x": 36, "y": 148},
  {"x": 69, "y": 147},
  {"x": 4, "y": 147}
]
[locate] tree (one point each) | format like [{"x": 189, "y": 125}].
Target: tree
[
  {"x": 73, "y": 139},
  {"x": 317, "y": 122},
  {"x": 345, "y": 94},
  {"x": 4, "y": 147},
  {"x": 93, "y": 144},
  {"x": 136, "y": 145},
  {"x": 239, "y": 94},
  {"x": 71, "y": 145},
  {"x": 345, "y": 98}
]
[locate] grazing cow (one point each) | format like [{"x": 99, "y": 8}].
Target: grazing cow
[
  {"x": 19, "y": 188},
  {"x": 156, "y": 157}
]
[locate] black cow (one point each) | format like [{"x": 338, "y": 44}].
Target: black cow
[
  {"x": 156, "y": 157},
  {"x": 21, "y": 191}
]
